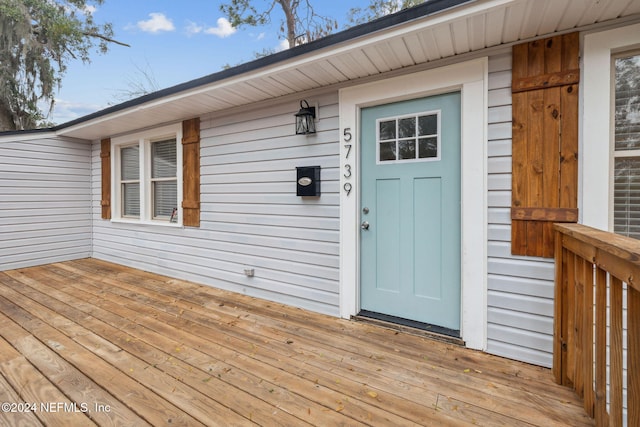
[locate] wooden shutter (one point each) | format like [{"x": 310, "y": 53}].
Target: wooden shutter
[
  {"x": 191, "y": 172},
  {"x": 545, "y": 81},
  {"x": 105, "y": 156}
]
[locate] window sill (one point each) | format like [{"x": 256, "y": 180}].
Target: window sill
[{"x": 147, "y": 223}]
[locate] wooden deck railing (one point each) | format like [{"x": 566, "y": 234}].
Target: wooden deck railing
[{"x": 593, "y": 269}]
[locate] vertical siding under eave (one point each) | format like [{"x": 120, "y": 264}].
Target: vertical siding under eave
[
  {"x": 520, "y": 289},
  {"x": 45, "y": 214},
  {"x": 250, "y": 214}
]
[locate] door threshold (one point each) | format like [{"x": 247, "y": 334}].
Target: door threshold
[{"x": 413, "y": 327}]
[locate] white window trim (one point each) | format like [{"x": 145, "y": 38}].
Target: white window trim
[
  {"x": 144, "y": 140},
  {"x": 470, "y": 78},
  {"x": 597, "y": 127}
]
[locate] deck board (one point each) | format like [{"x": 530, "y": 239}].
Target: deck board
[{"x": 161, "y": 351}]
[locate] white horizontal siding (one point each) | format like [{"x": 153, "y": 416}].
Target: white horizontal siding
[
  {"x": 250, "y": 214},
  {"x": 45, "y": 214},
  {"x": 520, "y": 289}
]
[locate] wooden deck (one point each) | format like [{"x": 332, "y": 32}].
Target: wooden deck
[{"x": 93, "y": 343}]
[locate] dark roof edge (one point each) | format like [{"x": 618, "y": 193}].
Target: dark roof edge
[
  {"x": 27, "y": 131},
  {"x": 430, "y": 7}
]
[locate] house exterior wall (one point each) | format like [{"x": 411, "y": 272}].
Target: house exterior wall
[
  {"x": 251, "y": 218},
  {"x": 44, "y": 200},
  {"x": 520, "y": 289},
  {"x": 250, "y": 214},
  {"x": 50, "y": 200}
]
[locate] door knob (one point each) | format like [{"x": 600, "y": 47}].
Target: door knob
[{"x": 364, "y": 225}]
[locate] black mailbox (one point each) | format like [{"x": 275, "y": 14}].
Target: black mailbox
[{"x": 308, "y": 181}]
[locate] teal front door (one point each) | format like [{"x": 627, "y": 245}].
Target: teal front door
[{"x": 410, "y": 210}]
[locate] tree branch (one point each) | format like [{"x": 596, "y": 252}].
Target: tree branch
[{"x": 105, "y": 38}]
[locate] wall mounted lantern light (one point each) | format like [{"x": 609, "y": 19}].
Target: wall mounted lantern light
[{"x": 305, "y": 119}]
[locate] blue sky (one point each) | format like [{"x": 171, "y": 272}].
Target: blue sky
[{"x": 173, "y": 41}]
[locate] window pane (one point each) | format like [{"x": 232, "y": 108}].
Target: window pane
[
  {"x": 428, "y": 147},
  {"x": 409, "y": 138},
  {"x": 626, "y": 198},
  {"x": 627, "y": 103},
  {"x": 165, "y": 198},
  {"x": 428, "y": 125},
  {"x": 130, "y": 163},
  {"x": 387, "y": 151},
  {"x": 388, "y": 130},
  {"x": 407, "y": 149},
  {"x": 407, "y": 127},
  {"x": 131, "y": 199},
  {"x": 163, "y": 159}
]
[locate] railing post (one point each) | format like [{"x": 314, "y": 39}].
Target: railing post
[
  {"x": 601, "y": 347},
  {"x": 569, "y": 348},
  {"x": 578, "y": 356},
  {"x": 587, "y": 338},
  {"x": 616, "y": 351}
]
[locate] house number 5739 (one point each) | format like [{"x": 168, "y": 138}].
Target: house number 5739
[{"x": 347, "y": 187}]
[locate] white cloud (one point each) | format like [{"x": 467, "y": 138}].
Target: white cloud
[
  {"x": 193, "y": 28},
  {"x": 158, "y": 22},
  {"x": 261, "y": 36},
  {"x": 283, "y": 45},
  {"x": 90, "y": 9},
  {"x": 224, "y": 28},
  {"x": 65, "y": 111}
]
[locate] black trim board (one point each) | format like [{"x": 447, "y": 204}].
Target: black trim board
[{"x": 411, "y": 326}]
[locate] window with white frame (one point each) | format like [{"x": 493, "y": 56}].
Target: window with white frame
[
  {"x": 148, "y": 179},
  {"x": 413, "y": 137},
  {"x": 626, "y": 154}
]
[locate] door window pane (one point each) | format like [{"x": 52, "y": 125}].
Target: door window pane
[
  {"x": 407, "y": 149},
  {"x": 408, "y": 138},
  {"x": 428, "y": 125},
  {"x": 387, "y": 130},
  {"x": 387, "y": 151},
  {"x": 428, "y": 147},
  {"x": 407, "y": 127}
]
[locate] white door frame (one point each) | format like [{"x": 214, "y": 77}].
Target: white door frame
[{"x": 470, "y": 78}]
